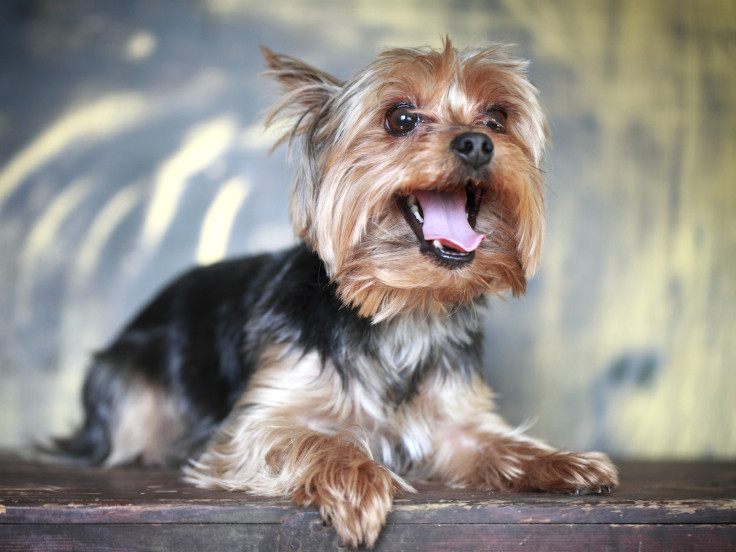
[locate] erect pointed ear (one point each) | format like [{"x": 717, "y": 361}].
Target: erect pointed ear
[
  {"x": 304, "y": 87},
  {"x": 301, "y": 114}
]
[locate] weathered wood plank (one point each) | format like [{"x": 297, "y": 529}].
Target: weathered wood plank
[
  {"x": 659, "y": 506},
  {"x": 118, "y": 538},
  {"x": 649, "y": 493},
  {"x": 396, "y": 537}
]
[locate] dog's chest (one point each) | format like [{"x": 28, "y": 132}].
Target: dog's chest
[
  {"x": 377, "y": 381},
  {"x": 387, "y": 397}
]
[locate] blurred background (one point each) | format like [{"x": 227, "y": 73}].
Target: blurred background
[{"x": 131, "y": 147}]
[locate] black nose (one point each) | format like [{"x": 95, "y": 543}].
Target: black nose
[{"x": 475, "y": 148}]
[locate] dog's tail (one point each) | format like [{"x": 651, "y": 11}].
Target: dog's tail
[
  {"x": 130, "y": 417},
  {"x": 90, "y": 443}
]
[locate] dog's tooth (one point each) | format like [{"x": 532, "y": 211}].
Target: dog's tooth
[
  {"x": 437, "y": 244},
  {"x": 411, "y": 201}
]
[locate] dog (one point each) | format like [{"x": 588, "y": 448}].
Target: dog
[{"x": 338, "y": 370}]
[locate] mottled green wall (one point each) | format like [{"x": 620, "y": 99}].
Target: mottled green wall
[{"x": 131, "y": 147}]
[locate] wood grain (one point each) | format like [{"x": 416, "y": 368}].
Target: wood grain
[{"x": 659, "y": 505}]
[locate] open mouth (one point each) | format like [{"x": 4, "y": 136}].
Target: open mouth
[{"x": 444, "y": 222}]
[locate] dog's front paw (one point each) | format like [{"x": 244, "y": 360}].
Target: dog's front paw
[
  {"x": 354, "y": 493},
  {"x": 359, "y": 505},
  {"x": 573, "y": 472}
]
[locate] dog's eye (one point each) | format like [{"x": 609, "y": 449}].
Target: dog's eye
[
  {"x": 495, "y": 119},
  {"x": 401, "y": 120}
]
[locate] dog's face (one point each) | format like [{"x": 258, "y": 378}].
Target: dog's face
[{"x": 420, "y": 185}]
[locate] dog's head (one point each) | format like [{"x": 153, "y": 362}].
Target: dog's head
[{"x": 419, "y": 183}]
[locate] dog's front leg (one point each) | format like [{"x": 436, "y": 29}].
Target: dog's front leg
[
  {"x": 474, "y": 448},
  {"x": 286, "y": 437},
  {"x": 339, "y": 476},
  {"x": 335, "y": 473}
]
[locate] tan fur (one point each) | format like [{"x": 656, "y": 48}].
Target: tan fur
[
  {"x": 148, "y": 423},
  {"x": 474, "y": 448}
]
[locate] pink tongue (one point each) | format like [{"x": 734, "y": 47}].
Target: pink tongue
[{"x": 445, "y": 220}]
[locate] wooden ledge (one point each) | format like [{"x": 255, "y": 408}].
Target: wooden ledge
[{"x": 659, "y": 506}]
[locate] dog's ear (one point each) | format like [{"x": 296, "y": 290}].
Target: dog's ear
[
  {"x": 304, "y": 87},
  {"x": 301, "y": 113}
]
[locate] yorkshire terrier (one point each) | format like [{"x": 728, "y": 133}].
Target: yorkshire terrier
[{"x": 334, "y": 371}]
